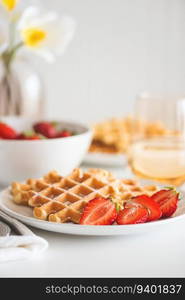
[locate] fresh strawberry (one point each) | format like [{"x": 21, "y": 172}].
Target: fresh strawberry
[
  {"x": 47, "y": 129},
  {"x": 167, "y": 200},
  {"x": 20, "y": 136},
  {"x": 99, "y": 211},
  {"x": 7, "y": 132},
  {"x": 148, "y": 203},
  {"x": 64, "y": 133},
  {"x": 132, "y": 215}
]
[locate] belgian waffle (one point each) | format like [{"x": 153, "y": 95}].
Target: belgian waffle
[
  {"x": 62, "y": 199},
  {"x": 114, "y": 135}
]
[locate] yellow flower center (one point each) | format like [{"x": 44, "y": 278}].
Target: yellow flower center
[
  {"x": 9, "y": 4},
  {"x": 32, "y": 37}
]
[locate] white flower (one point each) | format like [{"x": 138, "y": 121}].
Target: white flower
[
  {"x": 45, "y": 34},
  {"x": 10, "y": 13}
]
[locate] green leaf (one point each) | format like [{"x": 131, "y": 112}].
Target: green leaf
[
  {"x": 54, "y": 123},
  {"x": 117, "y": 207},
  {"x": 29, "y": 133},
  {"x": 42, "y": 137},
  {"x": 170, "y": 188}
]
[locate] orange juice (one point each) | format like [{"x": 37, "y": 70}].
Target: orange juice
[{"x": 160, "y": 160}]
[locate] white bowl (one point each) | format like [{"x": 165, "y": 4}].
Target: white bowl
[{"x": 22, "y": 159}]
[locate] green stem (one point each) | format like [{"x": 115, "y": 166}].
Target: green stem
[
  {"x": 11, "y": 35},
  {"x": 9, "y": 55}
]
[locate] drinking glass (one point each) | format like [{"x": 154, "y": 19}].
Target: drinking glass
[{"x": 157, "y": 148}]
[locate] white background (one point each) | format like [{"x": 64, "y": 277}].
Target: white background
[{"x": 121, "y": 47}]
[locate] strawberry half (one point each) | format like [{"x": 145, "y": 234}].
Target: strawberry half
[
  {"x": 132, "y": 215},
  {"x": 64, "y": 133},
  {"x": 47, "y": 129},
  {"x": 99, "y": 211},
  {"x": 154, "y": 211},
  {"x": 167, "y": 200},
  {"x": 7, "y": 132}
]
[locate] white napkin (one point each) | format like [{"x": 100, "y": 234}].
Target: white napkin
[{"x": 23, "y": 246}]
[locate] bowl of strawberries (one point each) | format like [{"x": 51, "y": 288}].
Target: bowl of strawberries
[{"x": 29, "y": 148}]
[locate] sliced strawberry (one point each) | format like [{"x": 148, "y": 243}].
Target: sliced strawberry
[
  {"x": 47, "y": 129},
  {"x": 148, "y": 203},
  {"x": 7, "y": 132},
  {"x": 167, "y": 200},
  {"x": 99, "y": 211},
  {"x": 64, "y": 133},
  {"x": 132, "y": 215}
]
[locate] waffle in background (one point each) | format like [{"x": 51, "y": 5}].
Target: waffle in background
[
  {"x": 62, "y": 199},
  {"x": 114, "y": 135}
]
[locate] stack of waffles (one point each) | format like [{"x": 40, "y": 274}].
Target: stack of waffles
[
  {"x": 114, "y": 135},
  {"x": 62, "y": 199}
]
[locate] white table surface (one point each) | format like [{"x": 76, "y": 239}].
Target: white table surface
[{"x": 157, "y": 254}]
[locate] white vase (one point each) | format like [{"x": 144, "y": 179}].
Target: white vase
[{"x": 21, "y": 90}]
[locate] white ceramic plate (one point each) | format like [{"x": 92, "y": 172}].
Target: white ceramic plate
[
  {"x": 104, "y": 159},
  {"x": 24, "y": 214}
]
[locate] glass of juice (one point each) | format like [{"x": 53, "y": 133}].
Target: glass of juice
[{"x": 157, "y": 148}]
